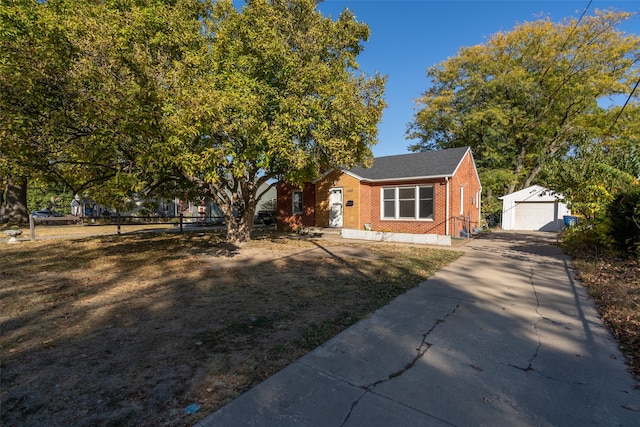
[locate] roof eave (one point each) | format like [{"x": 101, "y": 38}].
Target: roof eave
[
  {"x": 353, "y": 175},
  {"x": 409, "y": 178}
]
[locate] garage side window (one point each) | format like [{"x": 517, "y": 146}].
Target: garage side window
[
  {"x": 409, "y": 202},
  {"x": 297, "y": 202}
]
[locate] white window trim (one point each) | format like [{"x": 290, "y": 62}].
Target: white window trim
[
  {"x": 396, "y": 198},
  {"x": 462, "y": 200},
  {"x": 293, "y": 202}
]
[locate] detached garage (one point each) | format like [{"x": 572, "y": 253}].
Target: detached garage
[{"x": 533, "y": 208}]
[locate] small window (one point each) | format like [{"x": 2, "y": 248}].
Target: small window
[
  {"x": 389, "y": 203},
  {"x": 297, "y": 202},
  {"x": 426, "y": 203},
  {"x": 461, "y": 200},
  {"x": 407, "y": 202}
]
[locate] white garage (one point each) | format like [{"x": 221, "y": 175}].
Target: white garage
[{"x": 533, "y": 208}]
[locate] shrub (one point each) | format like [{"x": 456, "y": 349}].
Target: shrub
[
  {"x": 588, "y": 237},
  {"x": 624, "y": 219}
]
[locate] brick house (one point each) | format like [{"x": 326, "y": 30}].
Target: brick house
[{"x": 433, "y": 192}]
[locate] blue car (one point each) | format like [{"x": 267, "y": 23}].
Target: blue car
[{"x": 46, "y": 213}]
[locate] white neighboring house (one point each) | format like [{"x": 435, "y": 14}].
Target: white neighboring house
[{"x": 533, "y": 208}]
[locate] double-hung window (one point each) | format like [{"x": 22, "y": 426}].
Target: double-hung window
[
  {"x": 297, "y": 202},
  {"x": 407, "y": 202}
]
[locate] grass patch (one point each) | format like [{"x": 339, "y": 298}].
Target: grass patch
[{"x": 131, "y": 329}]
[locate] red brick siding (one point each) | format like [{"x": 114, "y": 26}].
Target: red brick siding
[
  {"x": 367, "y": 198},
  {"x": 371, "y": 210},
  {"x": 465, "y": 177},
  {"x": 286, "y": 219},
  {"x": 366, "y": 205}
]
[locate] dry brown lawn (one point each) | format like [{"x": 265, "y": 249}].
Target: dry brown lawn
[{"x": 132, "y": 329}]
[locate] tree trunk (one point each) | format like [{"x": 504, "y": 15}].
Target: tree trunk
[
  {"x": 239, "y": 223},
  {"x": 238, "y": 231},
  {"x": 238, "y": 206},
  {"x": 2, "y": 187},
  {"x": 532, "y": 175},
  {"x": 16, "y": 201}
]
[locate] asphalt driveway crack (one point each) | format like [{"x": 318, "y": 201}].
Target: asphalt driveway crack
[{"x": 420, "y": 352}]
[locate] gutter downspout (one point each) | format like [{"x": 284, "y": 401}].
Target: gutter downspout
[
  {"x": 480, "y": 209},
  {"x": 446, "y": 179}
]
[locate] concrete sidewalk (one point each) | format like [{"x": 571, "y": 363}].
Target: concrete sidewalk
[{"x": 504, "y": 336}]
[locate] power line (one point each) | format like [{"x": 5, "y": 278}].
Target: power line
[
  {"x": 584, "y": 12},
  {"x": 608, "y": 132}
]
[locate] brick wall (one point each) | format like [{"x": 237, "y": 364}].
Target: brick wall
[
  {"x": 466, "y": 178},
  {"x": 286, "y": 219},
  {"x": 350, "y": 191},
  {"x": 366, "y": 199},
  {"x": 371, "y": 213}
]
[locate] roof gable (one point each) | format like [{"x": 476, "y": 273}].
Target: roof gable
[
  {"x": 427, "y": 164},
  {"x": 534, "y": 193}
]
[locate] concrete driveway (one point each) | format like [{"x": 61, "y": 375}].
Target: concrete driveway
[{"x": 505, "y": 336}]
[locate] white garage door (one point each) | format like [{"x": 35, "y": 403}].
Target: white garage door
[{"x": 536, "y": 216}]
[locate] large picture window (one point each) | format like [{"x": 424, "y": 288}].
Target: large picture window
[{"x": 414, "y": 202}]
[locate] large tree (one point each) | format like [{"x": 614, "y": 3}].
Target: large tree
[
  {"x": 594, "y": 174},
  {"x": 275, "y": 93},
  {"x": 186, "y": 97},
  {"x": 34, "y": 57},
  {"x": 82, "y": 89},
  {"x": 531, "y": 97}
]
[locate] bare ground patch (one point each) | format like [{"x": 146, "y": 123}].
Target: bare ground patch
[{"x": 131, "y": 330}]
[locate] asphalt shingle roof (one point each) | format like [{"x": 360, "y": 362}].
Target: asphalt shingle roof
[{"x": 414, "y": 165}]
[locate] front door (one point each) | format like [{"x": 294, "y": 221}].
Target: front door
[{"x": 335, "y": 207}]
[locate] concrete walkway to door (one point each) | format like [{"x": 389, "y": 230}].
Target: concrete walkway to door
[{"x": 505, "y": 336}]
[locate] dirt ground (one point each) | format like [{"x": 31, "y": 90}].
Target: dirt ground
[{"x": 160, "y": 329}]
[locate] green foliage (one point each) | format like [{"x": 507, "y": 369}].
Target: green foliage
[
  {"x": 493, "y": 183},
  {"x": 82, "y": 88},
  {"x": 187, "y": 97},
  {"x": 615, "y": 230},
  {"x": 34, "y": 57},
  {"x": 591, "y": 177},
  {"x": 49, "y": 196},
  {"x": 588, "y": 237},
  {"x": 275, "y": 94},
  {"x": 492, "y": 211},
  {"x": 528, "y": 98},
  {"x": 624, "y": 217}
]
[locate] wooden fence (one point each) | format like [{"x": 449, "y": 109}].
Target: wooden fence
[{"x": 118, "y": 220}]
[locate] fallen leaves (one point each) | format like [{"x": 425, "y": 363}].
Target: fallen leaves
[{"x": 614, "y": 284}]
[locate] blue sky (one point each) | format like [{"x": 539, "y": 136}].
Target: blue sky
[{"x": 407, "y": 37}]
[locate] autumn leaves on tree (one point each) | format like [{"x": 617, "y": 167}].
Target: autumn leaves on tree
[
  {"x": 183, "y": 97},
  {"x": 196, "y": 98},
  {"x": 535, "y": 104}
]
